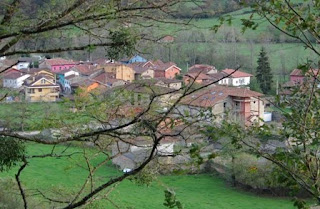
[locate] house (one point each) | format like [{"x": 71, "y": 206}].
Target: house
[
  {"x": 297, "y": 76},
  {"x": 14, "y": 79},
  {"x": 125, "y": 72},
  {"x": 200, "y": 68},
  {"x": 63, "y": 79},
  {"x": 168, "y": 83},
  {"x": 143, "y": 70},
  {"x": 165, "y": 70},
  {"x": 108, "y": 80},
  {"x": 240, "y": 104},
  {"x": 196, "y": 78},
  {"x": 236, "y": 78},
  {"x": 133, "y": 59},
  {"x": 57, "y": 64},
  {"x": 41, "y": 87}
]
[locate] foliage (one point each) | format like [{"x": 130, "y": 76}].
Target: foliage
[
  {"x": 123, "y": 43},
  {"x": 170, "y": 200},
  {"x": 264, "y": 74},
  {"x": 254, "y": 85},
  {"x": 11, "y": 152},
  {"x": 254, "y": 171},
  {"x": 145, "y": 177}
]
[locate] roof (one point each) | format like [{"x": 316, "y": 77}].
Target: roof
[
  {"x": 33, "y": 79},
  {"x": 168, "y": 81},
  {"x": 106, "y": 78},
  {"x": 298, "y": 72},
  {"x": 236, "y": 73},
  {"x": 201, "y": 68},
  {"x": 13, "y": 75},
  {"x": 217, "y": 76},
  {"x": 159, "y": 65},
  {"x": 198, "y": 76},
  {"x": 35, "y": 70},
  {"x": 84, "y": 83},
  {"x": 139, "y": 67},
  {"x": 59, "y": 61},
  {"x": 85, "y": 69},
  {"x": 211, "y": 96}
]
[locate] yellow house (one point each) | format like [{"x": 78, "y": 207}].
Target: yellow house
[
  {"x": 42, "y": 86},
  {"x": 121, "y": 71},
  {"x": 125, "y": 73}
]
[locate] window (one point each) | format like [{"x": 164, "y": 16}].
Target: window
[
  {"x": 43, "y": 81},
  {"x": 31, "y": 91},
  {"x": 40, "y": 90}
]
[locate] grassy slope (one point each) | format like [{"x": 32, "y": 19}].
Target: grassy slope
[
  {"x": 293, "y": 54},
  {"x": 198, "y": 191}
]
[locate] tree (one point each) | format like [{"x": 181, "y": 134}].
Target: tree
[
  {"x": 298, "y": 157},
  {"x": 100, "y": 120},
  {"x": 95, "y": 119},
  {"x": 104, "y": 21},
  {"x": 264, "y": 74}
]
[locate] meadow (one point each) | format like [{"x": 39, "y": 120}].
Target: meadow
[{"x": 63, "y": 176}]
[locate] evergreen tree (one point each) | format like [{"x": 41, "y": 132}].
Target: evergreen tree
[{"x": 264, "y": 75}]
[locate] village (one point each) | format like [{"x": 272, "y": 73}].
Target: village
[{"x": 226, "y": 96}]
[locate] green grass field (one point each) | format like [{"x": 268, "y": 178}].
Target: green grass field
[
  {"x": 64, "y": 176},
  {"x": 282, "y": 55}
]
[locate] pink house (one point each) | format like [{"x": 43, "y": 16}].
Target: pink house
[
  {"x": 166, "y": 70},
  {"x": 297, "y": 76},
  {"x": 57, "y": 64}
]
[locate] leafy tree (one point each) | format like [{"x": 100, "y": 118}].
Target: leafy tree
[
  {"x": 264, "y": 74},
  {"x": 298, "y": 157}
]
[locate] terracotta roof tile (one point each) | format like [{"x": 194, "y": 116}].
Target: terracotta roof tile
[
  {"x": 201, "y": 68},
  {"x": 198, "y": 76},
  {"x": 59, "y": 61},
  {"x": 237, "y": 74},
  {"x": 210, "y": 96}
]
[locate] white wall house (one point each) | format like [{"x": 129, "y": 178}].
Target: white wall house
[
  {"x": 23, "y": 65},
  {"x": 236, "y": 78},
  {"x": 14, "y": 80}
]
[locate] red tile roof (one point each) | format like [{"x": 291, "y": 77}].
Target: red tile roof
[
  {"x": 237, "y": 74},
  {"x": 298, "y": 72},
  {"x": 198, "y": 76},
  {"x": 105, "y": 78},
  {"x": 13, "y": 75},
  {"x": 59, "y": 61},
  {"x": 210, "y": 96},
  {"x": 201, "y": 68},
  {"x": 85, "y": 69}
]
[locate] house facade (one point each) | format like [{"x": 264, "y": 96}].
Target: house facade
[
  {"x": 41, "y": 87},
  {"x": 236, "y": 78},
  {"x": 57, "y": 64},
  {"x": 297, "y": 76},
  {"x": 124, "y": 72},
  {"x": 230, "y": 103},
  {"x": 14, "y": 79}
]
